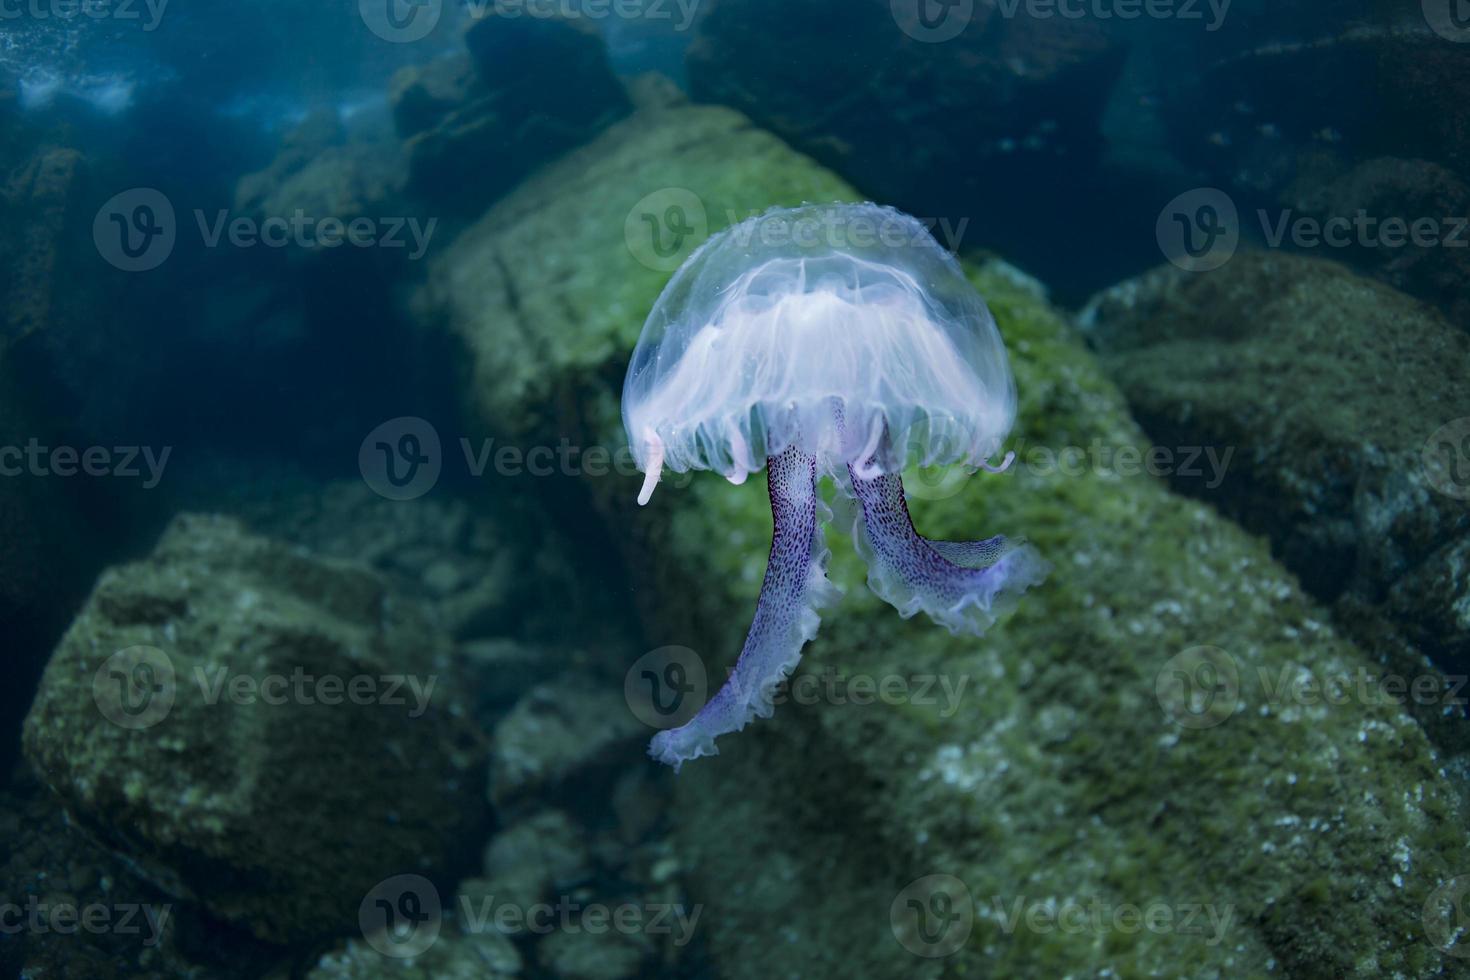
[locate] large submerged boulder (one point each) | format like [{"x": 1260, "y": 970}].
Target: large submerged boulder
[
  {"x": 1344, "y": 407},
  {"x": 1134, "y": 739},
  {"x": 257, "y": 730},
  {"x": 1381, "y": 197},
  {"x": 321, "y": 172}
]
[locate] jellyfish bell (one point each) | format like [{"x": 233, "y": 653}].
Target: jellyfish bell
[
  {"x": 846, "y": 331},
  {"x": 839, "y": 340}
]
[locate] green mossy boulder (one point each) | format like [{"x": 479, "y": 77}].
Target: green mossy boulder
[
  {"x": 1344, "y": 406},
  {"x": 253, "y": 728},
  {"x": 1130, "y": 740}
]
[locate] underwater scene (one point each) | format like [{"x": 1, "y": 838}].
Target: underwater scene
[{"x": 734, "y": 489}]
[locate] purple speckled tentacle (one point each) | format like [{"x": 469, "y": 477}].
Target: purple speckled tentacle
[
  {"x": 962, "y": 585},
  {"x": 793, "y": 592}
]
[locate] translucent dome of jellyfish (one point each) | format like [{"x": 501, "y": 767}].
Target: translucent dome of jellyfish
[{"x": 834, "y": 340}]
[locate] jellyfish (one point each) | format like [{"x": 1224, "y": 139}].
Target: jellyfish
[{"x": 838, "y": 341}]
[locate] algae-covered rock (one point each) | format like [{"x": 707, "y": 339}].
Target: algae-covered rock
[
  {"x": 1345, "y": 404},
  {"x": 461, "y": 562},
  {"x": 1073, "y": 773},
  {"x": 602, "y": 229},
  {"x": 320, "y": 173},
  {"x": 257, "y": 729},
  {"x": 48, "y": 873},
  {"x": 556, "y": 733},
  {"x": 1433, "y": 262},
  {"x": 479, "y": 955},
  {"x": 1126, "y": 743},
  {"x": 593, "y": 956},
  {"x": 529, "y": 863}
]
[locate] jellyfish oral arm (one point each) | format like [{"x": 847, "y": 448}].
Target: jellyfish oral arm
[
  {"x": 961, "y": 585},
  {"x": 654, "y": 467},
  {"x": 794, "y": 591}
]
